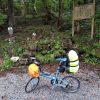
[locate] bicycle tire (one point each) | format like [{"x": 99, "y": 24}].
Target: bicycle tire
[
  {"x": 70, "y": 84},
  {"x": 33, "y": 85}
]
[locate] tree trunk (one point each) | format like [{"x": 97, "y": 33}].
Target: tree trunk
[
  {"x": 23, "y": 8},
  {"x": 34, "y": 10},
  {"x": 48, "y": 13},
  {"x": 60, "y": 13},
  {"x": 10, "y": 13}
]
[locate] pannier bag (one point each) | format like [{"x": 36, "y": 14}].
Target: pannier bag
[
  {"x": 33, "y": 70},
  {"x": 73, "y": 61}
]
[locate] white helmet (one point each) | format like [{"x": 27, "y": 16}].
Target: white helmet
[{"x": 72, "y": 55}]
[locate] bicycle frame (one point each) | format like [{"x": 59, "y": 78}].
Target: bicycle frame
[
  {"x": 48, "y": 75},
  {"x": 56, "y": 76}
]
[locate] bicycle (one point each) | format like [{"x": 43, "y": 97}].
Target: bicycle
[{"x": 68, "y": 84}]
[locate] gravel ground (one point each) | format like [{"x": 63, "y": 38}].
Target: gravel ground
[{"x": 12, "y": 88}]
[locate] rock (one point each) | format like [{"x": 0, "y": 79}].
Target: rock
[{"x": 14, "y": 59}]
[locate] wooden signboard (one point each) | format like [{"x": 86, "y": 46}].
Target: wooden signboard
[
  {"x": 83, "y": 12},
  {"x": 86, "y": 11}
]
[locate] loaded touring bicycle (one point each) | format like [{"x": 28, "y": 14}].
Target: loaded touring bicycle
[{"x": 68, "y": 84}]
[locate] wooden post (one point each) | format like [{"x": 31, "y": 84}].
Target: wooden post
[
  {"x": 92, "y": 29},
  {"x": 73, "y": 21},
  {"x": 78, "y": 27},
  {"x": 93, "y": 22},
  {"x": 72, "y": 28}
]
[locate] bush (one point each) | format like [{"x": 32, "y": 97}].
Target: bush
[
  {"x": 91, "y": 59},
  {"x": 2, "y": 19},
  {"x": 48, "y": 50},
  {"x": 7, "y": 63},
  {"x": 12, "y": 48},
  {"x": 9, "y": 49}
]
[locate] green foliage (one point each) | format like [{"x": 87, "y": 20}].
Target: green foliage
[
  {"x": 45, "y": 58},
  {"x": 48, "y": 50},
  {"x": 91, "y": 59},
  {"x": 39, "y": 5},
  {"x": 7, "y": 63},
  {"x": 18, "y": 51},
  {"x": 2, "y": 19},
  {"x": 17, "y": 7},
  {"x": 9, "y": 49},
  {"x": 67, "y": 3},
  {"x": 12, "y": 48},
  {"x": 98, "y": 36},
  {"x": 96, "y": 45}
]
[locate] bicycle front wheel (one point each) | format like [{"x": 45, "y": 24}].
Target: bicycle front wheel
[
  {"x": 70, "y": 84},
  {"x": 32, "y": 84}
]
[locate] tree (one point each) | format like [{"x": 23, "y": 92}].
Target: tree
[
  {"x": 59, "y": 15},
  {"x": 48, "y": 13},
  {"x": 34, "y": 7},
  {"x": 10, "y": 13},
  {"x": 63, "y": 4},
  {"x": 23, "y": 7}
]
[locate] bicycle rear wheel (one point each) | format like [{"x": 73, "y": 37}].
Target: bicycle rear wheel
[
  {"x": 32, "y": 84},
  {"x": 70, "y": 84}
]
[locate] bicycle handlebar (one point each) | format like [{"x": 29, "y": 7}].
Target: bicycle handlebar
[{"x": 62, "y": 59}]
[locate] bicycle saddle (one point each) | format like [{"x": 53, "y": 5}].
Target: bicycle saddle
[{"x": 61, "y": 59}]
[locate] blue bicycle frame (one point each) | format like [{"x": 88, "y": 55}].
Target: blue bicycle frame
[{"x": 48, "y": 75}]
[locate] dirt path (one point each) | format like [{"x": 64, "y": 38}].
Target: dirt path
[{"x": 12, "y": 88}]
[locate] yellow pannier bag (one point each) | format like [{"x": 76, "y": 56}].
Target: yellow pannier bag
[
  {"x": 72, "y": 55},
  {"x": 73, "y": 61},
  {"x": 33, "y": 70},
  {"x": 73, "y": 69}
]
